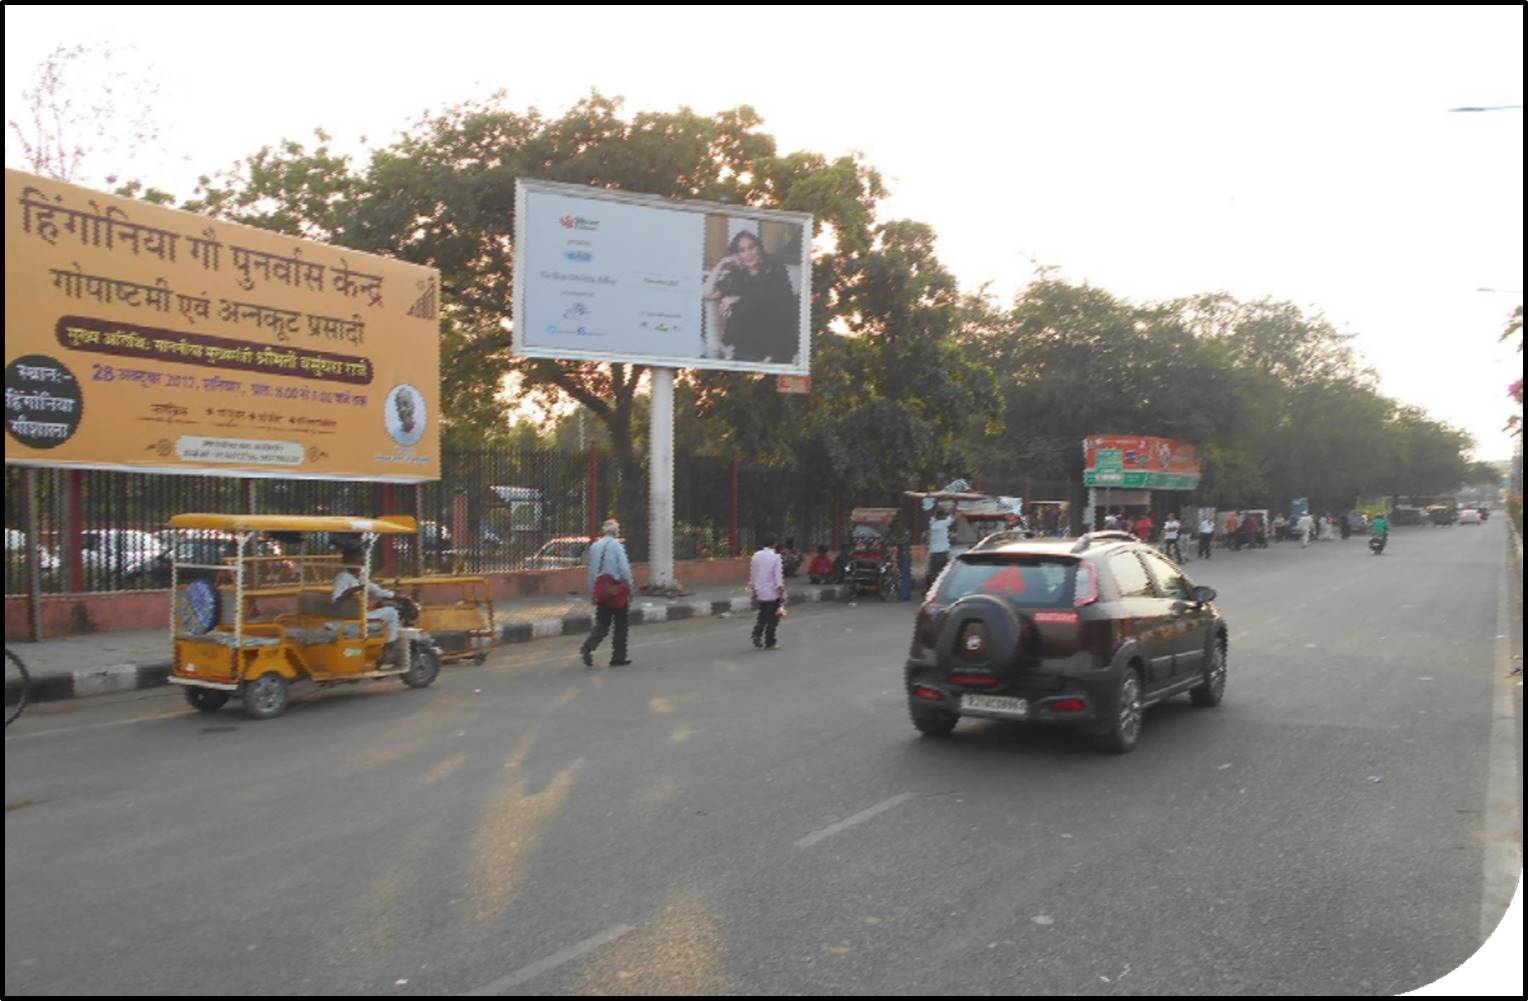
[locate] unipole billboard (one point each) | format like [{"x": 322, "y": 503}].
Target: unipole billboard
[
  {"x": 1140, "y": 462},
  {"x": 612, "y": 276},
  {"x": 145, "y": 338}
]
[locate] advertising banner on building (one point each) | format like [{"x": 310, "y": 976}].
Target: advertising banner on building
[
  {"x": 1140, "y": 462},
  {"x": 145, "y": 338},
  {"x": 619, "y": 277}
]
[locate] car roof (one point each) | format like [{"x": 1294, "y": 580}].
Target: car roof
[{"x": 1097, "y": 542}]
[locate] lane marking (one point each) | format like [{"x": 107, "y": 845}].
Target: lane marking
[
  {"x": 98, "y": 726},
  {"x": 526, "y": 974},
  {"x": 858, "y": 818}
]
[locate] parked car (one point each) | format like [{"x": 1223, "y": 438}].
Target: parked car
[
  {"x": 197, "y": 550},
  {"x": 117, "y": 556},
  {"x": 560, "y": 553},
  {"x": 1087, "y": 633},
  {"x": 16, "y": 552}
]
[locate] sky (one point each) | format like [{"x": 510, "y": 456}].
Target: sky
[{"x": 1303, "y": 154}]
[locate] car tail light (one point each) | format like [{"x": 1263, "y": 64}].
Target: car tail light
[
  {"x": 928, "y": 694},
  {"x": 1069, "y": 706},
  {"x": 1087, "y": 591}
]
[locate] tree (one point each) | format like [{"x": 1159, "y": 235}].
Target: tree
[
  {"x": 1515, "y": 328},
  {"x": 444, "y": 195},
  {"x": 84, "y": 107}
]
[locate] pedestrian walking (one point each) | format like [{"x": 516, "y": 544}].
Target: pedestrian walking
[
  {"x": 1306, "y": 525},
  {"x": 1145, "y": 528},
  {"x": 1233, "y": 530},
  {"x": 767, "y": 582},
  {"x": 610, "y": 585},
  {"x": 1206, "y": 535}
]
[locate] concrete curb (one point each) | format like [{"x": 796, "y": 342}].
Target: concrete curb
[{"x": 133, "y": 677}]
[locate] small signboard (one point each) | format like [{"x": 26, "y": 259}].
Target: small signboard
[{"x": 795, "y": 384}]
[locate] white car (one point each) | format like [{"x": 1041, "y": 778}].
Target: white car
[
  {"x": 16, "y": 547},
  {"x": 119, "y": 552},
  {"x": 560, "y": 553},
  {"x": 1469, "y": 516}
]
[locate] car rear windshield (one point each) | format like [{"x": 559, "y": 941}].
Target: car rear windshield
[{"x": 1039, "y": 581}]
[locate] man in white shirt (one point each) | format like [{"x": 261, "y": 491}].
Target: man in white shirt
[
  {"x": 1206, "y": 535},
  {"x": 347, "y": 584},
  {"x": 938, "y": 544},
  {"x": 1171, "y": 529},
  {"x": 766, "y": 578},
  {"x": 608, "y": 557}
]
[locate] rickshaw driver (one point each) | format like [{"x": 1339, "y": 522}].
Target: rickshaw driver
[{"x": 346, "y": 583}]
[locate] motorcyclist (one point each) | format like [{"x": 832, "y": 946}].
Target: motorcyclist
[{"x": 1381, "y": 527}]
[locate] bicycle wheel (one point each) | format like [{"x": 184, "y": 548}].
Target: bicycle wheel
[{"x": 18, "y": 685}]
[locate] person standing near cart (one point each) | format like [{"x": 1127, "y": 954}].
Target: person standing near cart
[
  {"x": 766, "y": 579},
  {"x": 939, "y": 526}
]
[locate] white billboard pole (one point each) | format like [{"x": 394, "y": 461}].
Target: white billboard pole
[{"x": 660, "y": 503}]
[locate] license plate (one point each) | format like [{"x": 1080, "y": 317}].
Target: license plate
[{"x": 996, "y": 705}]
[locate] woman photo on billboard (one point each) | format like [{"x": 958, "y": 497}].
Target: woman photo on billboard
[{"x": 757, "y": 306}]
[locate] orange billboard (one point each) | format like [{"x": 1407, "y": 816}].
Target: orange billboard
[
  {"x": 145, "y": 338},
  {"x": 1140, "y": 461}
]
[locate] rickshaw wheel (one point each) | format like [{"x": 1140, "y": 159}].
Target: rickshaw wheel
[
  {"x": 890, "y": 585},
  {"x": 266, "y": 696},
  {"x": 424, "y": 666},
  {"x": 207, "y": 700}
]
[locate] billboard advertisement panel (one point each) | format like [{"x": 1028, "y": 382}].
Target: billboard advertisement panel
[
  {"x": 1140, "y": 462},
  {"x": 145, "y": 338},
  {"x": 618, "y": 277}
]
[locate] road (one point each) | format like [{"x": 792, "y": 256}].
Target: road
[{"x": 718, "y": 819}]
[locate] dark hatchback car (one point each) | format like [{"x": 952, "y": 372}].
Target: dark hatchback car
[{"x": 1088, "y": 633}]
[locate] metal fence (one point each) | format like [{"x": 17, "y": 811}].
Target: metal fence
[{"x": 491, "y": 511}]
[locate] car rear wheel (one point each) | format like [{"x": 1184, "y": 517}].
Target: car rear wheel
[
  {"x": 935, "y": 724},
  {"x": 1214, "y": 688},
  {"x": 1124, "y": 730}
]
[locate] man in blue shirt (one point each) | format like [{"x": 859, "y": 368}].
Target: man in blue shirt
[{"x": 608, "y": 557}]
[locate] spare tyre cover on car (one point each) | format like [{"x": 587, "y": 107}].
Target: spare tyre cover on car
[{"x": 984, "y": 634}]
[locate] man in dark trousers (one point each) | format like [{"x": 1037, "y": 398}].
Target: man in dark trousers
[
  {"x": 608, "y": 557},
  {"x": 766, "y": 578}
]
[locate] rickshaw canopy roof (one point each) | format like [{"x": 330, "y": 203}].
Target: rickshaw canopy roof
[{"x": 393, "y": 524}]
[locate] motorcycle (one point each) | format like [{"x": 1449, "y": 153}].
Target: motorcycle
[{"x": 1377, "y": 543}]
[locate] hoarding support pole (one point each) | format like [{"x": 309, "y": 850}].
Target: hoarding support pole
[
  {"x": 660, "y": 504},
  {"x": 592, "y": 511},
  {"x": 34, "y": 558},
  {"x": 736, "y": 548},
  {"x": 419, "y": 532}
]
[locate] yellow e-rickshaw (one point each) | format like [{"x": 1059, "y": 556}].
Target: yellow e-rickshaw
[{"x": 226, "y": 644}]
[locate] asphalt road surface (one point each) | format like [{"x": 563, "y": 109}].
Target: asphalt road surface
[{"x": 717, "y": 819}]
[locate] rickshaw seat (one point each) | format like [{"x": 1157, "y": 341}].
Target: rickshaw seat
[
  {"x": 342, "y": 616},
  {"x": 309, "y": 636},
  {"x": 228, "y": 639},
  {"x": 319, "y": 603}
]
